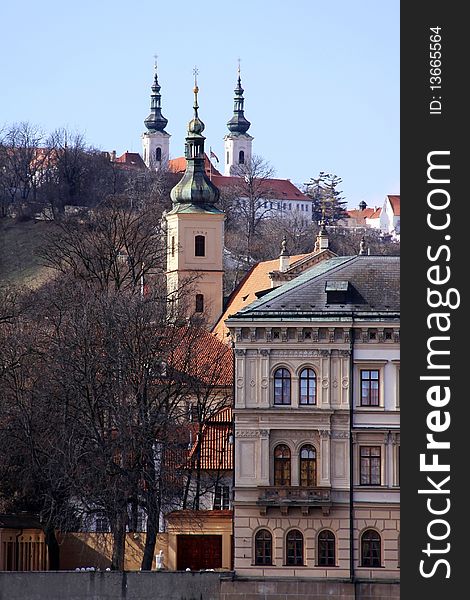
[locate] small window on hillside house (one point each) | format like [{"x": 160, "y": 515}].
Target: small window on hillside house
[{"x": 200, "y": 245}]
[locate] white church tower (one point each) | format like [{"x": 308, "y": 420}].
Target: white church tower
[
  {"x": 156, "y": 141},
  {"x": 238, "y": 142}
]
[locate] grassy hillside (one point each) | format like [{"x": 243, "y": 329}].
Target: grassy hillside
[{"x": 19, "y": 245}]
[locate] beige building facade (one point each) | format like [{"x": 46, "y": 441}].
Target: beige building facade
[{"x": 317, "y": 424}]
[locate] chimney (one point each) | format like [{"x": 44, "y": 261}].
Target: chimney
[{"x": 113, "y": 155}]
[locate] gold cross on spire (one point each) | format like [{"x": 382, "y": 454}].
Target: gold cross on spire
[
  {"x": 195, "y": 73},
  {"x": 155, "y": 59},
  {"x": 239, "y": 61}
]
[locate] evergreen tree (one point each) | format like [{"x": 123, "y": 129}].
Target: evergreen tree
[{"x": 328, "y": 203}]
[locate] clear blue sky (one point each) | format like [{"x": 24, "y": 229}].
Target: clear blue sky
[{"x": 321, "y": 78}]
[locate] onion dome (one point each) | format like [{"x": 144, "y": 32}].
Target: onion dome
[
  {"x": 156, "y": 121},
  {"x": 238, "y": 123}
]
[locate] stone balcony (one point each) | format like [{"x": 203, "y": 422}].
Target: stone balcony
[{"x": 285, "y": 497}]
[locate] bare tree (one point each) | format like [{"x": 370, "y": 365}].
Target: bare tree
[
  {"x": 247, "y": 200},
  {"x": 23, "y": 159},
  {"x": 114, "y": 247}
]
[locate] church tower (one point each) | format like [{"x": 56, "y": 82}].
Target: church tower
[
  {"x": 156, "y": 141},
  {"x": 238, "y": 141},
  {"x": 195, "y": 230}
]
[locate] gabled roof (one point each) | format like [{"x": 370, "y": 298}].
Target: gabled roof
[
  {"x": 255, "y": 280},
  {"x": 376, "y": 214},
  {"x": 357, "y": 213},
  {"x": 395, "y": 204},
  {"x": 374, "y": 280}
]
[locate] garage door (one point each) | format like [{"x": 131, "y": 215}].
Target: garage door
[{"x": 199, "y": 552}]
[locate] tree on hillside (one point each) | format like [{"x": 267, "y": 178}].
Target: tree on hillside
[
  {"x": 23, "y": 158},
  {"x": 246, "y": 201},
  {"x": 328, "y": 203},
  {"x": 115, "y": 246}
]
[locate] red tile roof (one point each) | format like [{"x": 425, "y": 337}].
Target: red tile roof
[
  {"x": 133, "y": 160},
  {"x": 361, "y": 214},
  {"x": 395, "y": 202},
  {"x": 178, "y": 165},
  {"x": 255, "y": 280},
  {"x": 203, "y": 357},
  {"x": 278, "y": 189}
]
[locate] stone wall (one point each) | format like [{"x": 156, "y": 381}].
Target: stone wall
[{"x": 168, "y": 585}]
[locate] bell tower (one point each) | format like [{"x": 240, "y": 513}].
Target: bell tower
[
  {"x": 238, "y": 142},
  {"x": 156, "y": 141},
  {"x": 195, "y": 230}
]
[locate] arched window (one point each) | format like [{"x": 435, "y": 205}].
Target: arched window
[
  {"x": 241, "y": 158},
  {"x": 370, "y": 548},
  {"x": 307, "y": 387},
  {"x": 263, "y": 547},
  {"x": 199, "y": 303},
  {"x": 172, "y": 245},
  {"x": 308, "y": 466},
  {"x": 282, "y": 465},
  {"x": 158, "y": 154},
  {"x": 228, "y": 157},
  {"x": 281, "y": 386},
  {"x": 326, "y": 549},
  {"x": 200, "y": 245},
  {"x": 294, "y": 548}
]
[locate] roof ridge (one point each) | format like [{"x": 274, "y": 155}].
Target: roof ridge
[{"x": 305, "y": 277}]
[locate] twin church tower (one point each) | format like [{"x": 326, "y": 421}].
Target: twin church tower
[
  {"x": 195, "y": 225},
  {"x": 156, "y": 141}
]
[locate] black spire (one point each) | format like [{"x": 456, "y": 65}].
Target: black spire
[
  {"x": 156, "y": 121},
  {"x": 238, "y": 123},
  {"x": 195, "y": 188}
]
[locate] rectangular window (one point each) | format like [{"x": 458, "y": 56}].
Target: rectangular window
[
  {"x": 370, "y": 388},
  {"x": 370, "y": 462},
  {"x": 222, "y": 497}
]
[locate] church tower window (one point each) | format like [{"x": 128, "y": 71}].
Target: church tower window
[
  {"x": 241, "y": 157},
  {"x": 199, "y": 303},
  {"x": 200, "y": 245},
  {"x": 158, "y": 154}
]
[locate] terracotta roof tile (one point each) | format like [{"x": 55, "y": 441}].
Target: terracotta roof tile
[
  {"x": 395, "y": 203},
  {"x": 178, "y": 165},
  {"x": 279, "y": 189},
  {"x": 255, "y": 280},
  {"x": 132, "y": 160}
]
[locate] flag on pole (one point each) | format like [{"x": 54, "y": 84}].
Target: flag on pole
[{"x": 213, "y": 155}]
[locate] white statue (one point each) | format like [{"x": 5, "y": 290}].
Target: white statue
[{"x": 159, "y": 559}]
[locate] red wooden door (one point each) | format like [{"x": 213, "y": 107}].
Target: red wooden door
[{"x": 198, "y": 552}]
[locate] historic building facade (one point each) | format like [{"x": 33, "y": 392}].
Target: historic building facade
[{"x": 317, "y": 424}]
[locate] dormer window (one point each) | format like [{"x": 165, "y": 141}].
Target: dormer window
[{"x": 337, "y": 292}]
